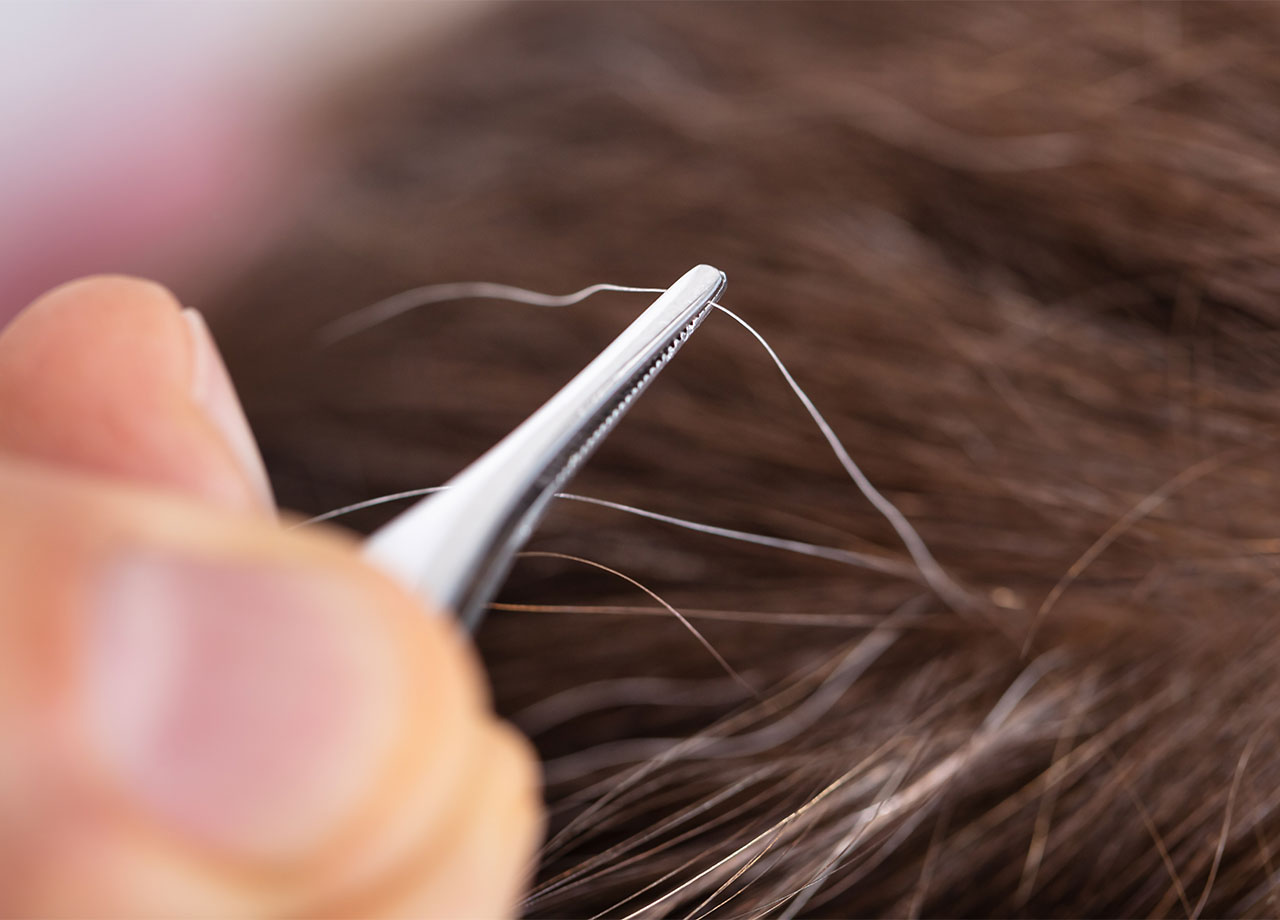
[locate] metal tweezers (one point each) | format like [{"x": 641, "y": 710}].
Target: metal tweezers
[{"x": 455, "y": 548}]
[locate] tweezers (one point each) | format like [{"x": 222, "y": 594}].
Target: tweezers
[{"x": 455, "y": 548}]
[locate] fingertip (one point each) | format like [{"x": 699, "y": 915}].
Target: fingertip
[
  {"x": 90, "y": 317},
  {"x": 107, "y": 288},
  {"x": 256, "y": 700},
  {"x": 104, "y": 375}
]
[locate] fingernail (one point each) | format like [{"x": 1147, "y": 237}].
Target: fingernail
[
  {"x": 242, "y": 705},
  {"x": 212, "y": 389}
]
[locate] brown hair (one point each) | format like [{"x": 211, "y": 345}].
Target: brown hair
[{"x": 1024, "y": 258}]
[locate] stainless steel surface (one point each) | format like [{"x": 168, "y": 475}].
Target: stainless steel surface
[{"x": 455, "y": 547}]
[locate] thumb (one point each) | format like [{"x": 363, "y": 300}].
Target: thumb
[
  {"x": 109, "y": 375},
  {"x": 202, "y": 714}
]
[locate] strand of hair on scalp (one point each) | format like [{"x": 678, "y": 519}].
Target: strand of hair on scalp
[
  {"x": 926, "y": 565},
  {"x": 375, "y": 314},
  {"x": 697, "y": 634},
  {"x": 882, "y": 564},
  {"x": 933, "y": 573}
]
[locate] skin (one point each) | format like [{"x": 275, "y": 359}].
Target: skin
[{"x": 203, "y": 712}]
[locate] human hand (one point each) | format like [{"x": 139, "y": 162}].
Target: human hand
[{"x": 200, "y": 712}]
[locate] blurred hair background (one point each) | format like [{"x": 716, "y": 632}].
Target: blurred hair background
[{"x": 1024, "y": 258}]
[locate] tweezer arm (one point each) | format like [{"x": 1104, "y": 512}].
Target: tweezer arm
[{"x": 456, "y": 547}]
